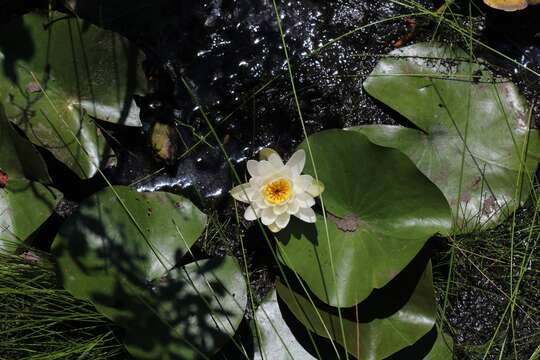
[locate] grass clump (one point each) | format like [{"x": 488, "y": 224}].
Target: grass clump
[
  {"x": 38, "y": 320},
  {"x": 491, "y": 295}
]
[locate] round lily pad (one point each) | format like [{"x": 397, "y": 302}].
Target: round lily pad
[
  {"x": 375, "y": 339},
  {"x": 119, "y": 239},
  {"x": 380, "y": 212},
  {"x": 18, "y": 157},
  {"x": 24, "y": 204},
  {"x": 195, "y": 310},
  {"x": 473, "y": 138},
  {"x": 56, "y": 71}
]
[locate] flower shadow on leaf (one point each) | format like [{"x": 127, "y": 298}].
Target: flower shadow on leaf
[{"x": 296, "y": 229}]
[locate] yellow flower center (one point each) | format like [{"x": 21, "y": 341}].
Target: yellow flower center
[{"x": 278, "y": 191}]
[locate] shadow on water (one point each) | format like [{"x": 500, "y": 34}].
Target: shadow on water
[{"x": 163, "y": 315}]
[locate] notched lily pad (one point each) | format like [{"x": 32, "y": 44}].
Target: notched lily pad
[
  {"x": 24, "y": 203},
  {"x": 194, "y": 310},
  {"x": 119, "y": 250},
  {"x": 474, "y": 141},
  {"x": 381, "y": 211},
  {"x": 112, "y": 246},
  {"x": 375, "y": 339},
  {"x": 18, "y": 157},
  {"x": 55, "y": 72}
]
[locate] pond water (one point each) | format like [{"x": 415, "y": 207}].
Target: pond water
[
  {"x": 230, "y": 55},
  {"x": 232, "y": 58}
]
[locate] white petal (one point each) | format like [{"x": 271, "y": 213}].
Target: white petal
[
  {"x": 283, "y": 220},
  {"x": 306, "y": 214},
  {"x": 243, "y": 193},
  {"x": 302, "y": 182},
  {"x": 316, "y": 188},
  {"x": 268, "y": 216},
  {"x": 297, "y": 161},
  {"x": 305, "y": 200},
  {"x": 278, "y": 210},
  {"x": 250, "y": 214},
  {"x": 256, "y": 182},
  {"x": 275, "y": 160},
  {"x": 260, "y": 201},
  {"x": 274, "y": 228},
  {"x": 265, "y": 167},
  {"x": 294, "y": 206},
  {"x": 253, "y": 168}
]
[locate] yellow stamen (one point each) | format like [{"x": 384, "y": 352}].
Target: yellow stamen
[{"x": 278, "y": 191}]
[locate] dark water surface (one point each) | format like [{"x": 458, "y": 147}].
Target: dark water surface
[{"x": 230, "y": 55}]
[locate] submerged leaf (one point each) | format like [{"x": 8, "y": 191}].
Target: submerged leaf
[
  {"x": 474, "y": 141},
  {"x": 164, "y": 141},
  {"x": 55, "y": 72},
  {"x": 381, "y": 211}
]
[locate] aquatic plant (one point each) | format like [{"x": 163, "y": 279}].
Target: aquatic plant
[
  {"x": 353, "y": 267},
  {"x": 276, "y": 191}
]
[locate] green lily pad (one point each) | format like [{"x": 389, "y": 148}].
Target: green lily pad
[
  {"x": 195, "y": 310},
  {"x": 380, "y": 210},
  {"x": 378, "y": 338},
  {"x": 54, "y": 72},
  {"x": 106, "y": 253},
  {"x": 443, "y": 349},
  {"x": 24, "y": 206},
  {"x": 18, "y": 157},
  {"x": 273, "y": 338},
  {"x": 474, "y": 140}
]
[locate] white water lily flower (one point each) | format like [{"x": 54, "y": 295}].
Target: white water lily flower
[{"x": 276, "y": 191}]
